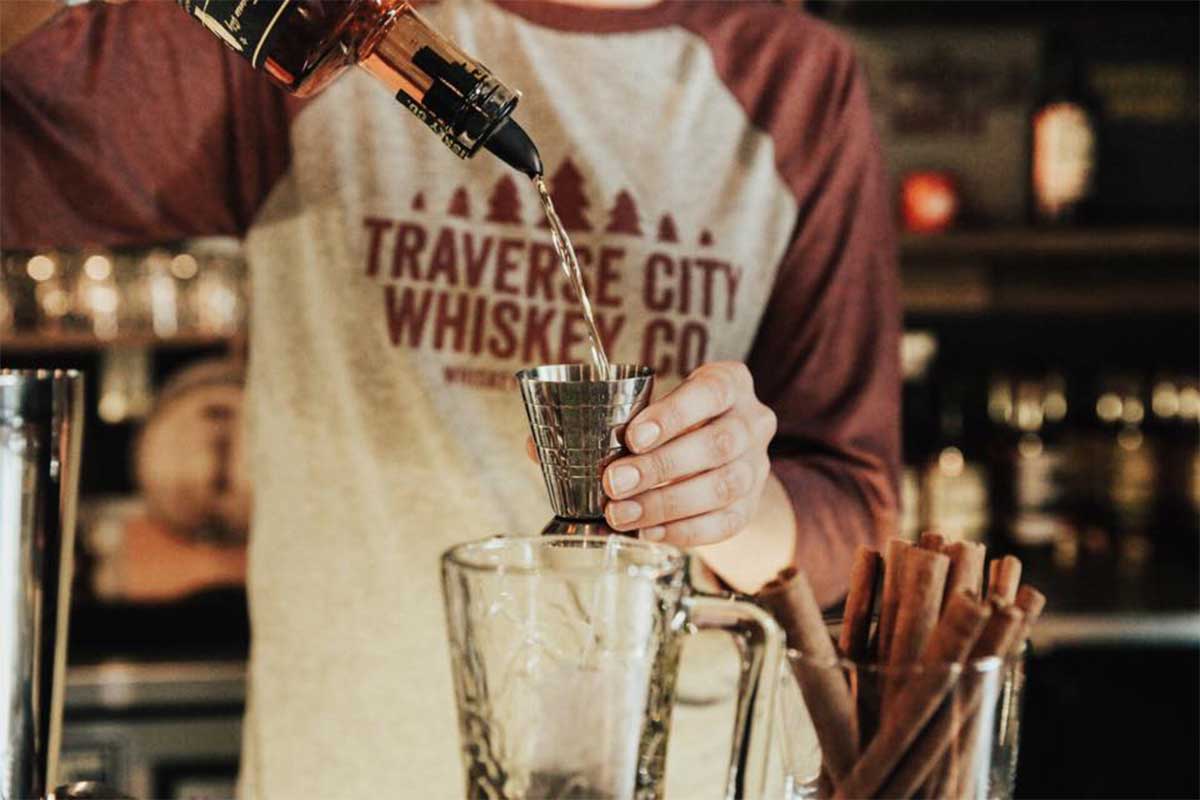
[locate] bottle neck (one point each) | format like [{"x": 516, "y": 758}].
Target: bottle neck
[{"x": 452, "y": 93}]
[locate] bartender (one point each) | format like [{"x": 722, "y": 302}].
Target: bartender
[{"x": 716, "y": 162}]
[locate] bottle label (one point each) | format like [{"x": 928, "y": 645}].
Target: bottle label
[
  {"x": 244, "y": 25},
  {"x": 436, "y": 125}
]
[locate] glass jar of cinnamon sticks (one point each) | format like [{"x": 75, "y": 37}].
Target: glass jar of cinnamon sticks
[{"x": 915, "y": 692}]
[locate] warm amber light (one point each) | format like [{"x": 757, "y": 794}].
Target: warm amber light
[
  {"x": 184, "y": 266},
  {"x": 1030, "y": 446},
  {"x": 1165, "y": 400},
  {"x": 97, "y": 267},
  {"x": 951, "y": 462},
  {"x": 928, "y": 201},
  {"x": 1108, "y": 407},
  {"x": 40, "y": 268}
]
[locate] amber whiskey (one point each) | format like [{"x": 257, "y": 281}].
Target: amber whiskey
[{"x": 303, "y": 45}]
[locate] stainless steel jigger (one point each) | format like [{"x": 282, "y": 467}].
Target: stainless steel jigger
[{"x": 578, "y": 420}]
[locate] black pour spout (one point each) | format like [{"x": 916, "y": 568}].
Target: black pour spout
[{"x": 512, "y": 145}]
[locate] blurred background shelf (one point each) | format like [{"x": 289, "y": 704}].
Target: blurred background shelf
[
  {"x": 25, "y": 343},
  {"x": 1071, "y": 243},
  {"x": 1133, "y": 272}
]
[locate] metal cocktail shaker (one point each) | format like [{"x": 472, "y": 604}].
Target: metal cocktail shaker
[
  {"x": 578, "y": 417},
  {"x": 41, "y": 426}
]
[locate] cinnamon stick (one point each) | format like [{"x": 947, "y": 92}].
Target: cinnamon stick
[
  {"x": 856, "y": 619},
  {"x": 965, "y": 772},
  {"x": 790, "y": 598},
  {"x": 1004, "y": 576},
  {"x": 957, "y": 718},
  {"x": 893, "y": 564},
  {"x": 922, "y": 583},
  {"x": 966, "y": 568},
  {"x": 921, "y": 586},
  {"x": 932, "y": 541},
  {"x": 920, "y": 697},
  {"x": 1031, "y": 602}
]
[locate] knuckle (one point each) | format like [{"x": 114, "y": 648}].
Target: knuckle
[
  {"x": 660, "y": 466},
  {"x": 720, "y": 389},
  {"x": 732, "y": 482},
  {"x": 769, "y": 423},
  {"x": 670, "y": 505},
  {"x": 741, "y": 374},
  {"x": 725, "y": 442},
  {"x": 744, "y": 470},
  {"x": 672, "y": 418}
]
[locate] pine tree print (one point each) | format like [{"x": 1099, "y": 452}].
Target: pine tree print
[
  {"x": 418, "y": 201},
  {"x": 624, "y": 216},
  {"x": 666, "y": 229},
  {"x": 460, "y": 204},
  {"x": 570, "y": 201},
  {"x": 504, "y": 204},
  {"x": 706, "y": 238}
]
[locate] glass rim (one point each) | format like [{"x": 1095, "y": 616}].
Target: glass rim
[
  {"x": 583, "y": 373},
  {"x": 670, "y": 558},
  {"x": 982, "y": 665}
]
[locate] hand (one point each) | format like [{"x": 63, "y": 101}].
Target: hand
[{"x": 700, "y": 460}]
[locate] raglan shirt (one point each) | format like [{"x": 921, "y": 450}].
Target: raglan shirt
[{"x": 716, "y": 167}]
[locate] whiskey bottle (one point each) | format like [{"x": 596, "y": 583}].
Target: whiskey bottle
[
  {"x": 1064, "y": 151},
  {"x": 303, "y": 45}
]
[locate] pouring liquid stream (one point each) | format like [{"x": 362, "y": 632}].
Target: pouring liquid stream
[{"x": 570, "y": 265}]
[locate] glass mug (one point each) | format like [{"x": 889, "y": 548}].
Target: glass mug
[{"x": 564, "y": 651}]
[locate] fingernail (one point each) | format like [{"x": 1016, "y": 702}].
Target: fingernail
[
  {"x": 644, "y": 434},
  {"x": 623, "y": 478},
  {"x": 622, "y": 513},
  {"x": 655, "y": 534}
]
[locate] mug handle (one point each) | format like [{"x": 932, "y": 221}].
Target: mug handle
[{"x": 760, "y": 645}]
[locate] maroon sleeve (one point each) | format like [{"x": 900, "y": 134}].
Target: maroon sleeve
[
  {"x": 826, "y": 357},
  {"x": 129, "y": 124}
]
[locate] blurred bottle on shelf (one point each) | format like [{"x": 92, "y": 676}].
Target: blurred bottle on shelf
[
  {"x": 197, "y": 287},
  {"x": 1173, "y": 425},
  {"x": 217, "y": 295},
  {"x": 954, "y": 482},
  {"x": 918, "y": 351},
  {"x": 1063, "y": 146},
  {"x": 97, "y": 299},
  {"x": 1128, "y": 468},
  {"x": 159, "y": 294},
  {"x": 51, "y": 291},
  {"x": 126, "y": 385},
  {"x": 1032, "y": 460}
]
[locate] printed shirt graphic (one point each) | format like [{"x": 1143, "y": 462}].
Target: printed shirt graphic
[
  {"x": 715, "y": 166},
  {"x": 483, "y": 287}
]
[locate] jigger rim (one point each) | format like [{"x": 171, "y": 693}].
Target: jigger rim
[
  {"x": 583, "y": 373},
  {"x": 472, "y": 556}
]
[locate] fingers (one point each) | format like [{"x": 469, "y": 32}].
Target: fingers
[
  {"x": 699, "y": 460},
  {"x": 707, "y": 393},
  {"x": 726, "y": 439},
  {"x": 710, "y": 491},
  {"x": 716, "y": 526}
]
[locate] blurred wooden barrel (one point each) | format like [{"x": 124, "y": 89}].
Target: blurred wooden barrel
[{"x": 190, "y": 458}]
